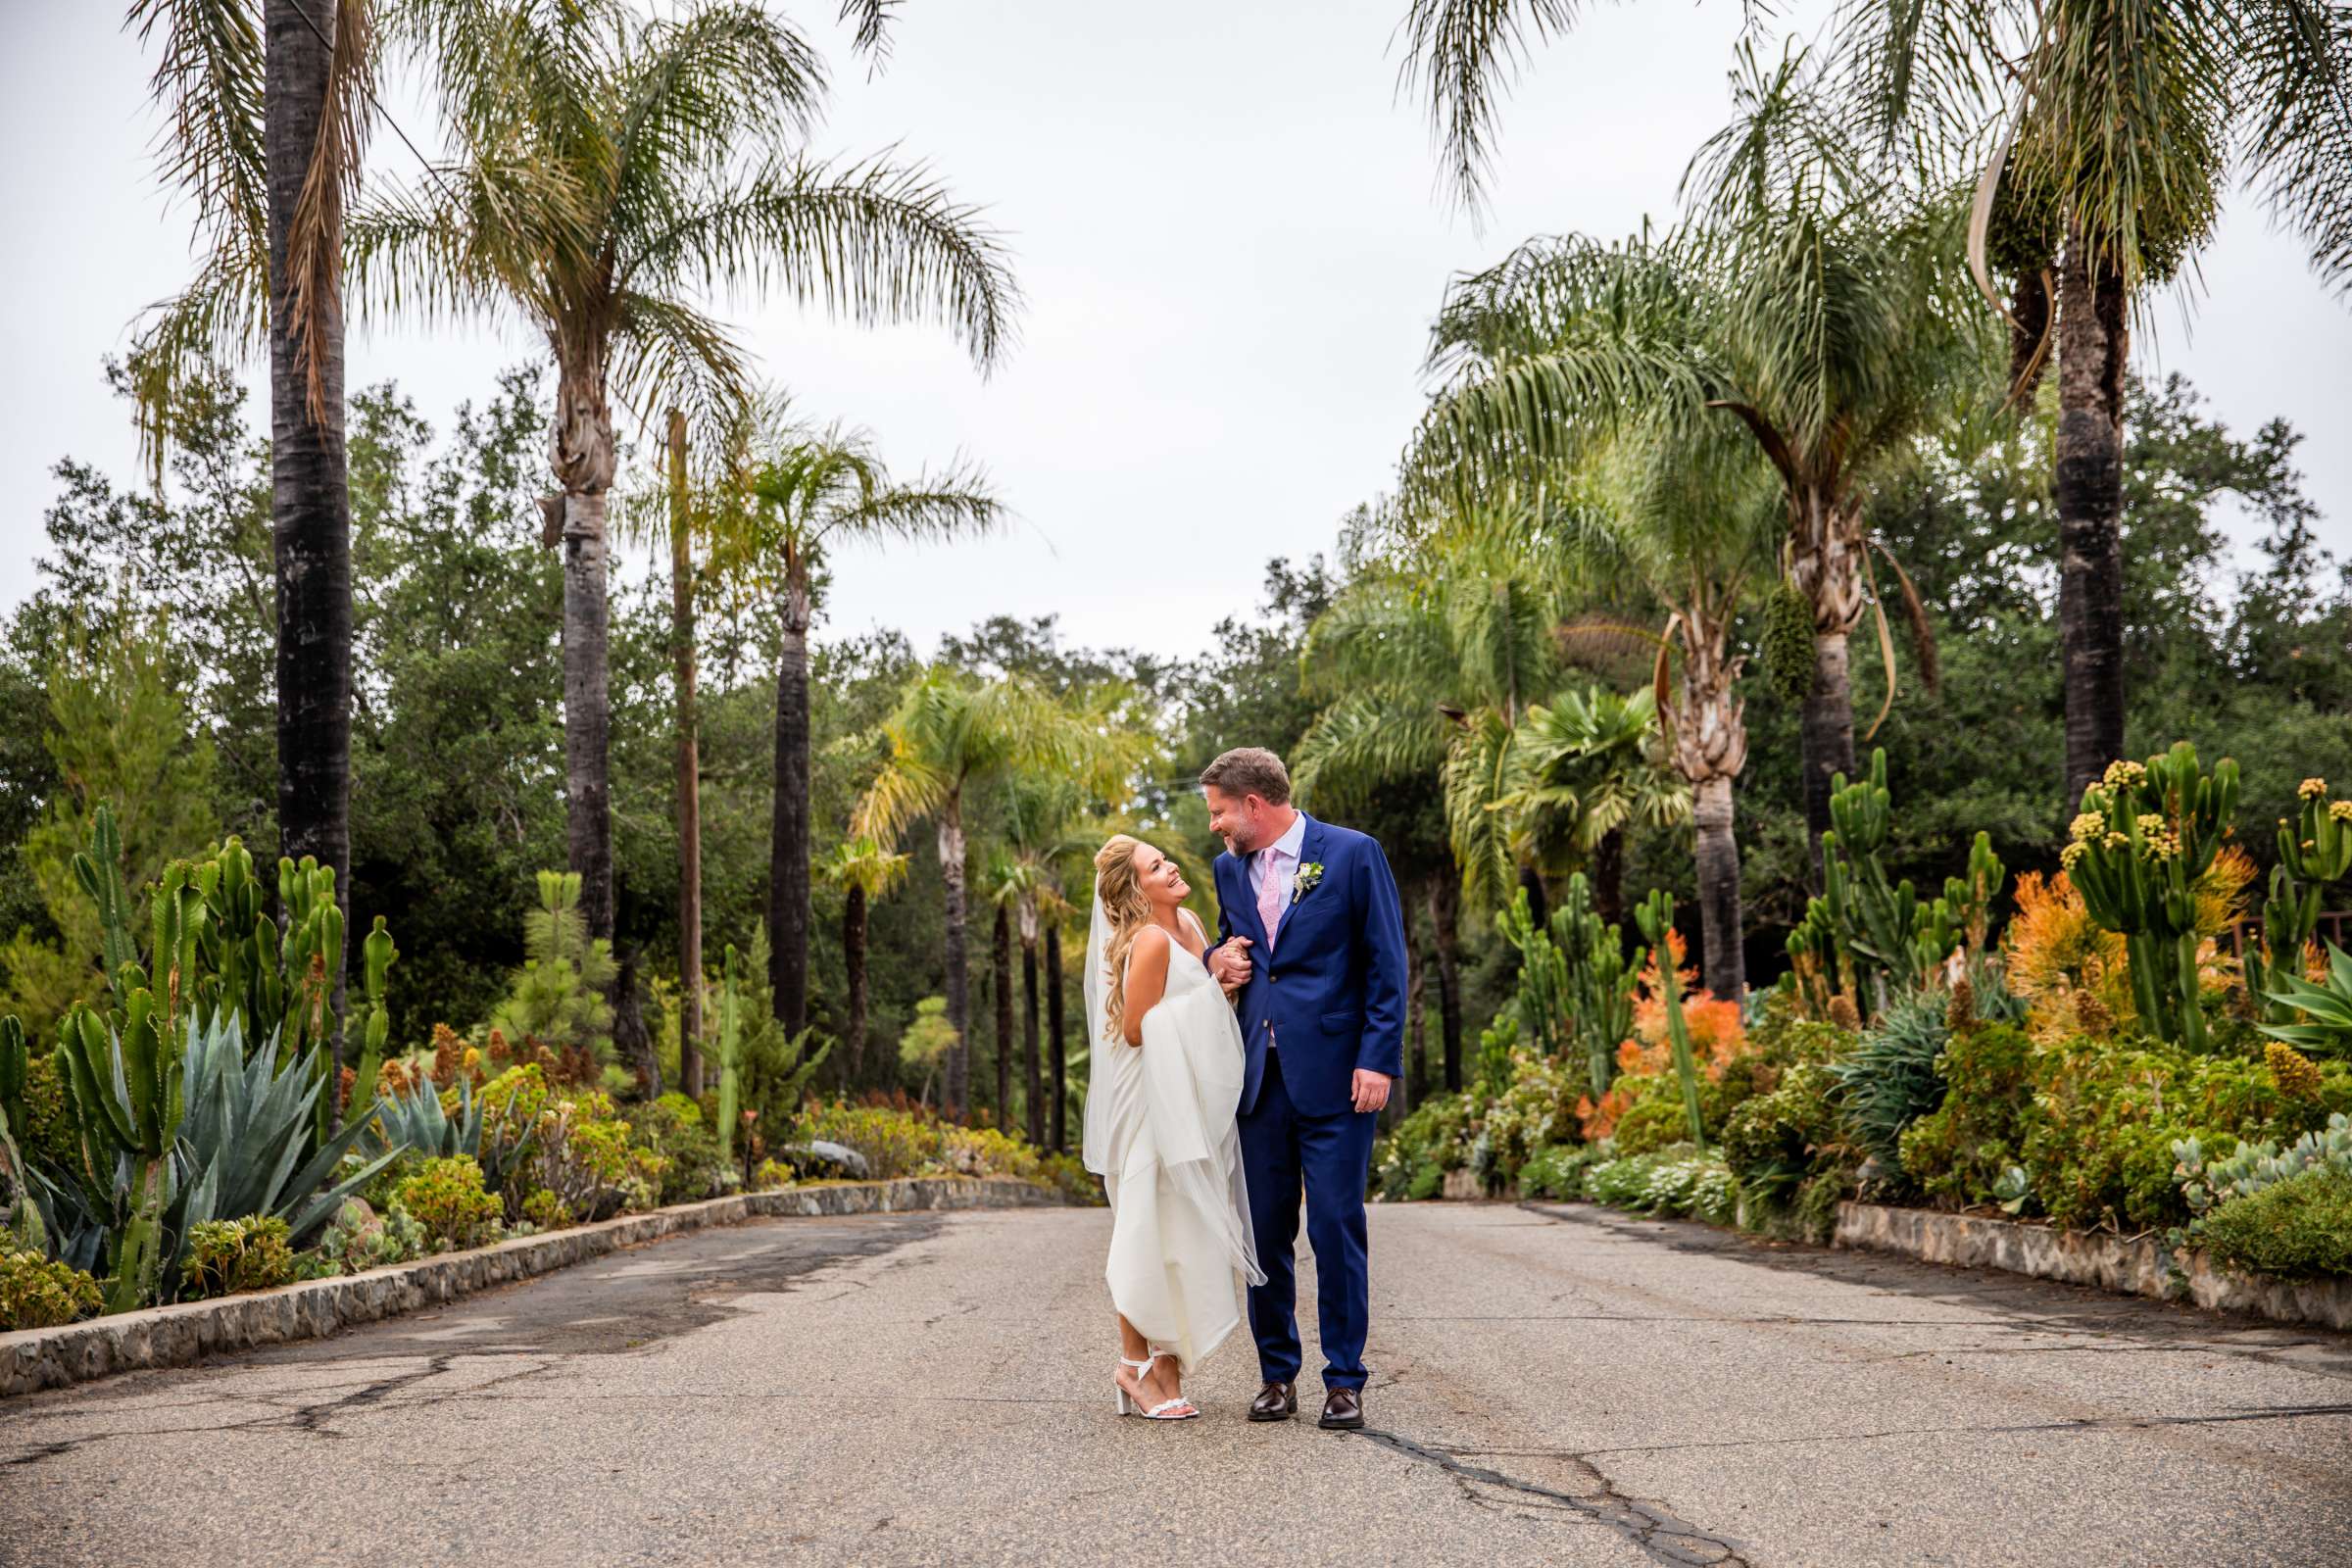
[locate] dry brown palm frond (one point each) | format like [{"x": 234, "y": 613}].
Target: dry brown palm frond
[
  {"x": 1915, "y": 611},
  {"x": 314, "y": 229}
]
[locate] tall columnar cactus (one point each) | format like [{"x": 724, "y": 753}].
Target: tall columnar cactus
[
  {"x": 1600, "y": 979},
  {"x": 1961, "y": 918},
  {"x": 99, "y": 869},
  {"x": 1657, "y": 915},
  {"x": 240, "y": 943},
  {"x": 2315, "y": 851},
  {"x": 125, "y": 1082},
  {"x": 2146, "y": 834},
  {"x": 1543, "y": 994},
  {"x": 730, "y": 1053}
]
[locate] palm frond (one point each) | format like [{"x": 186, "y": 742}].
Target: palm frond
[
  {"x": 1466, "y": 54},
  {"x": 1362, "y": 740},
  {"x": 2297, "y": 60},
  {"x": 666, "y": 349},
  {"x": 873, "y": 242}
]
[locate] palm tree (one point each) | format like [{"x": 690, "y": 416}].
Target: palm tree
[
  {"x": 1040, "y": 853},
  {"x": 1807, "y": 305},
  {"x": 949, "y": 732},
  {"x": 610, "y": 169},
  {"x": 2102, "y": 136},
  {"x": 864, "y": 871},
  {"x": 268, "y": 139},
  {"x": 804, "y": 490},
  {"x": 1580, "y": 772}
]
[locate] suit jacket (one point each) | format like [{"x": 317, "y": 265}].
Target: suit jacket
[{"x": 1331, "y": 995}]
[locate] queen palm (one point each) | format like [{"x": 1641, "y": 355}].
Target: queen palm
[
  {"x": 609, "y": 169},
  {"x": 951, "y": 732},
  {"x": 2102, "y": 136},
  {"x": 864, "y": 871},
  {"x": 808, "y": 491}
]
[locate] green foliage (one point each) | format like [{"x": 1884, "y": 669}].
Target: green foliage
[
  {"x": 694, "y": 1167},
  {"x": 418, "y": 1120},
  {"x": 1961, "y": 1152},
  {"x": 1556, "y": 1171},
  {"x": 225, "y": 1256},
  {"x": 2146, "y": 834},
  {"x": 772, "y": 1070},
  {"x": 2326, "y": 1009},
  {"x": 928, "y": 1038},
  {"x": 557, "y": 998},
  {"x": 569, "y": 1141},
  {"x": 2254, "y": 1165},
  {"x": 1890, "y": 1079},
  {"x": 1773, "y": 1141},
  {"x": 2297, "y": 1227},
  {"x": 1681, "y": 1180},
  {"x": 360, "y": 1238},
  {"x": 1786, "y": 642},
  {"x": 2099, "y": 1137},
  {"x": 1411, "y": 1161},
  {"x": 446, "y": 1198},
  {"x": 1867, "y": 937},
  {"x": 37, "y": 1294}
]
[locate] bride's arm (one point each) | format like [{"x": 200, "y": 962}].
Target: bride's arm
[{"x": 1147, "y": 978}]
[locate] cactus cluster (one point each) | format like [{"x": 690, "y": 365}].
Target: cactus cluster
[
  {"x": 2315, "y": 852},
  {"x": 2146, "y": 834},
  {"x": 1575, "y": 980},
  {"x": 1867, "y": 939},
  {"x": 730, "y": 1053}
]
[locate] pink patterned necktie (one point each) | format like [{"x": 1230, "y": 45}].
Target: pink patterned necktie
[{"x": 1269, "y": 898}]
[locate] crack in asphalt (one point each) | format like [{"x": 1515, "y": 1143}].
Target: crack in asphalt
[{"x": 1646, "y": 1525}]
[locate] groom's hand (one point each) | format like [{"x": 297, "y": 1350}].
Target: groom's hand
[
  {"x": 1229, "y": 964},
  {"x": 1371, "y": 1090}
]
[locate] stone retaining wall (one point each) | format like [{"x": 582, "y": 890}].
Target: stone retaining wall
[
  {"x": 175, "y": 1336},
  {"x": 2140, "y": 1265}
]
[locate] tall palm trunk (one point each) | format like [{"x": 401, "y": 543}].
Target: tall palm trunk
[
  {"x": 1609, "y": 876},
  {"x": 689, "y": 800},
  {"x": 583, "y": 453},
  {"x": 1826, "y": 564},
  {"x": 959, "y": 1012},
  {"x": 1033, "y": 1098},
  {"x": 788, "y": 838},
  {"x": 1724, "y": 965},
  {"x": 1708, "y": 728},
  {"x": 853, "y": 963},
  {"x": 1059, "y": 1048},
  {"x": 2093, "y": 340},
  {"x": 310, "y": 491},
  {"x": 1001, "y": 968},
  {"x": 1445, "y": 920}
]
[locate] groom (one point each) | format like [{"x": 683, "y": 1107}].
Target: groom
[{"x": 1311, "y": 944}]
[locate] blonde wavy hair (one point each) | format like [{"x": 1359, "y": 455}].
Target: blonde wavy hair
[{"x": 1128, "y": 910}]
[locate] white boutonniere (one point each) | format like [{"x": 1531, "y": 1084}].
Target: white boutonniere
[{"x": 1310, "y": 872}]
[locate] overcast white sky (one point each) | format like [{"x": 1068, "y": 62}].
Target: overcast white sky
[{"x": 1227, "y": 229}]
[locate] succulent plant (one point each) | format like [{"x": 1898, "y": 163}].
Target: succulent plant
[{"x": 1656, "y": 914}]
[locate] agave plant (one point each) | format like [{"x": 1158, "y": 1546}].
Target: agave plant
[
  {"x": 2326, "y": 1010},
  {"x": 416, "y": 1120},
  {"x": 1889, "y": 1080}
]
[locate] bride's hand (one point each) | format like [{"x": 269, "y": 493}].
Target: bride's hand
[{"x": 1229, "y": 964}]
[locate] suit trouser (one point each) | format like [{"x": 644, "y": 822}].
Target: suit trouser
[{"x": 1282, "y": 1147}]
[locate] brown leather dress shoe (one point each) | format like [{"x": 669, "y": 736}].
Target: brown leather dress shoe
[
  {"x": 1276, "y": 1402},
  {"x": 1342, "y": 1410}
]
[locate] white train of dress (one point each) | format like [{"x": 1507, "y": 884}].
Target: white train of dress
[{"x": 1160, "y": 1133}]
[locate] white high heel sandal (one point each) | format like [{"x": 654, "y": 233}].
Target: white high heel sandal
[{"x": 1179, "y": 1408}]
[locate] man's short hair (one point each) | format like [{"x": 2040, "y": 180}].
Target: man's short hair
[{"x": 1250, "y": 770}]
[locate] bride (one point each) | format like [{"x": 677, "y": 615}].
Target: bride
[{"x": 1160, "y": 1128}]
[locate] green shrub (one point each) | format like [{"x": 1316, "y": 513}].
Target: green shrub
[
  {"x": 2297, "y": 1227},
  {"x": 1676, "y": 1181},
  {"x": 2099, "y": 1138},
  {"x": 895, "y": 1143},
  {"x": 568, "y": 1141},
  {"x": 675, "y": 1128},
  {"x": 1557, "y": 1171},
  {"x": 1411, "y": 1161},
  {"x": 1958, "y": 1152},
  {"x": 1654, "y": 1121},
  {"x": 361, "y": 1237},
  {"x": 1536, "y": 1109},
  {"x": 1774, "y": 1141},
  {"x": 225, "y": 1256},
  {"x": 37, "y": 1293},
  {"x": 446, "y": 1198}
]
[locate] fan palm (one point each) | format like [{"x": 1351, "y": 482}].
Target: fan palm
[
  {"x": 810, "y": 490},
  {"x": 2102, "y": 136},
  {"x": 1580, "y": 772},
  {"x": 949, "y": 732},
  {"x": 864, "y": 871},
  {"x": 610, "y": 167}
]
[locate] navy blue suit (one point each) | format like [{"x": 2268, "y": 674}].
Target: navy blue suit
[{"x": 1328, "y": 1000}]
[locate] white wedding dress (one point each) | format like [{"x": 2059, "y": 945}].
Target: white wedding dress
[{"x": 1160, "y": 1133}]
